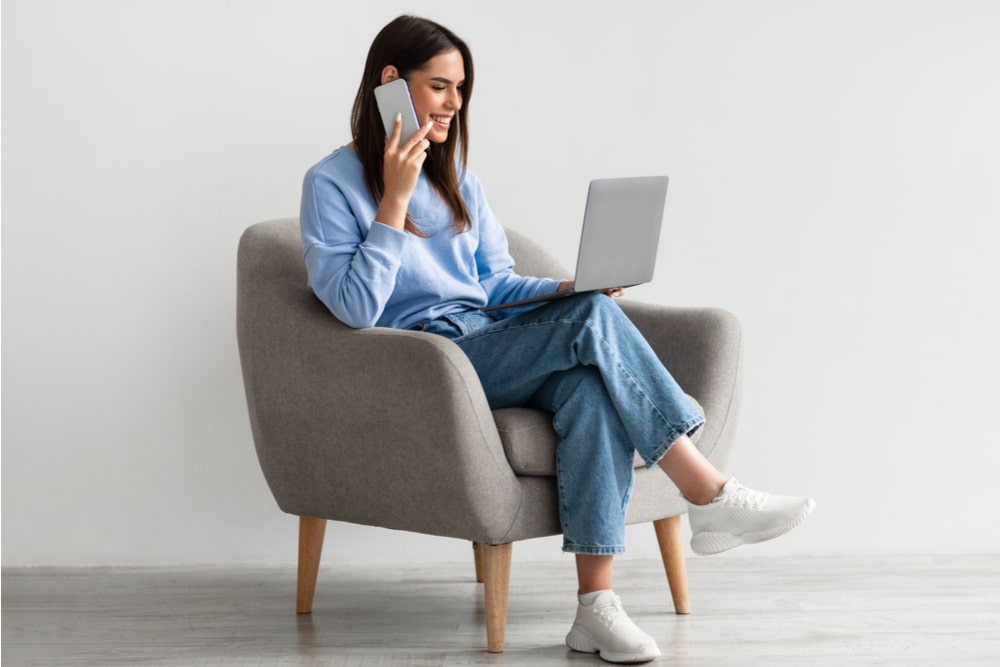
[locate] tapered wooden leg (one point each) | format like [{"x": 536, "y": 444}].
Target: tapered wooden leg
[
  {"x": 477, "y": 552},
  {"x": 496, "y": 586},
  {"x": 671, "y": 539},
  {"x": 311, "y": 532}
]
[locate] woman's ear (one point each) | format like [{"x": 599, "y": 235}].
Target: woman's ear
[{"x": 389, "y": 73}]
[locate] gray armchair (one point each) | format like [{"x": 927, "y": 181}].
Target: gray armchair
[{"x": 391, "y": 428}]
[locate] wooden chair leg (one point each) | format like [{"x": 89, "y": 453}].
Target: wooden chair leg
[
  {"x": 671, "y": 539},
  {"x": 477, "y": 552},
  {"x": 496, "y": 586},
  {"x": 311, "y": 532}
]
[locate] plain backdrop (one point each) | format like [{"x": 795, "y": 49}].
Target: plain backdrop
[{"x": 834, "y": 170}]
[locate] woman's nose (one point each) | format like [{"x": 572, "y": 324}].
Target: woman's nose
[{"x": 455, "y": 100}]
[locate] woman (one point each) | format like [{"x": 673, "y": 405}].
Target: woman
[{"x": 400, "y": 235}]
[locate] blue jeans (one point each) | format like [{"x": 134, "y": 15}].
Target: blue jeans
[{"x": 583, "y": 360}]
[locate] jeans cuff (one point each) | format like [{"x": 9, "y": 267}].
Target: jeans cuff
[
  {"x": 687, "y": 428},
  {"x": 571, "y": 548}
]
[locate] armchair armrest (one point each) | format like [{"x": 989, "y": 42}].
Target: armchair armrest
[{"x": 372, "y": 426}]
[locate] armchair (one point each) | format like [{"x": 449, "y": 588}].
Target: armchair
[{"x": 436, "y": 459}]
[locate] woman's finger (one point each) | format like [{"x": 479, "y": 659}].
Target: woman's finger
[
  {"x": 392, "y": 141},
  {"x": 419, "y": 138}
]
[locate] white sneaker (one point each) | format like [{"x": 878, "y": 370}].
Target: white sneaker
[
  {"x": 739, "y": 515},
  {"x": 604, "y": 628}
]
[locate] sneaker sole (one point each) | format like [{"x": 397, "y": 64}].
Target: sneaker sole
[
  {"x": 580, "y": 640},
  {"x": 709, "y": 544}
]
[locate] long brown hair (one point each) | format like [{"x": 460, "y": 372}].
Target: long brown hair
[{"x": 408, "y": 43}]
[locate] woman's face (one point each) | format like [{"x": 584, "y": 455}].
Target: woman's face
[{"x": 437, "y": 92}]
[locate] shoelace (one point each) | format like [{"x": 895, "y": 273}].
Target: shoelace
[
  {"x": 612, "y": 614},
  {"x": 745, "y": 497}
]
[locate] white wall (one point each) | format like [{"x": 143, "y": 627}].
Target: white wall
[{"x": 834, "y": 183}]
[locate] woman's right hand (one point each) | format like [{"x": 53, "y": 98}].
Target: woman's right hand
[{"x": 401, "y": 169}]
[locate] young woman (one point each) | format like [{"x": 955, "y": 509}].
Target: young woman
[{"x": 400, "y": 235}]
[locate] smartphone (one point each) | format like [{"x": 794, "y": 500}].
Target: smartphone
[{"x": 394, "y": 98}]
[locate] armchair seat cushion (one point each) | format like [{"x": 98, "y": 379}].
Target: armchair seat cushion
[{"x": 529, "y": 440}]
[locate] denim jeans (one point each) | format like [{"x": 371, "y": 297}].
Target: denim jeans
[{"x": 583, "y": 360}]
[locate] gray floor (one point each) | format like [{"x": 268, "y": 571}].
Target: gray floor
[{"x": 747, "y": 611}]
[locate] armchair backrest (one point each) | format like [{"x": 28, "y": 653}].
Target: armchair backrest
[{"x": 531, "y": 259}]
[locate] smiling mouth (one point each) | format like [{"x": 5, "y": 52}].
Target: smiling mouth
[{"x": 441, "y": 120}]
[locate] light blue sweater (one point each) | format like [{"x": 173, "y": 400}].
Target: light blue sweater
[{"x": 370, "y": 274}]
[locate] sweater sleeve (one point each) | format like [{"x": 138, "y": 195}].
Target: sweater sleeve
[{"x": 352, "y": 263}]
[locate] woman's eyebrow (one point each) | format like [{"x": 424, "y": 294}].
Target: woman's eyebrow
[{"x": 444, "y": 79}]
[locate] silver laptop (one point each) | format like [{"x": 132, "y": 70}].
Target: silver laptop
[{"x": 621, "y": 233}]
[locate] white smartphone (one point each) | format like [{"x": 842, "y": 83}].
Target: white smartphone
[{"x": 394, "y": 98}]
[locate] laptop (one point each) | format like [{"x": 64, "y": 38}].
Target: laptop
[{"x": 620, "y": 236}]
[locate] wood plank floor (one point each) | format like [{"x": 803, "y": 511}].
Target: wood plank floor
[{"x": 939, "y": 611}]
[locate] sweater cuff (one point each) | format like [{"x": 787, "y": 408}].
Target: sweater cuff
[
  {"x": 387, "y": 239},
  {"x": 546, "y": 286}
]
